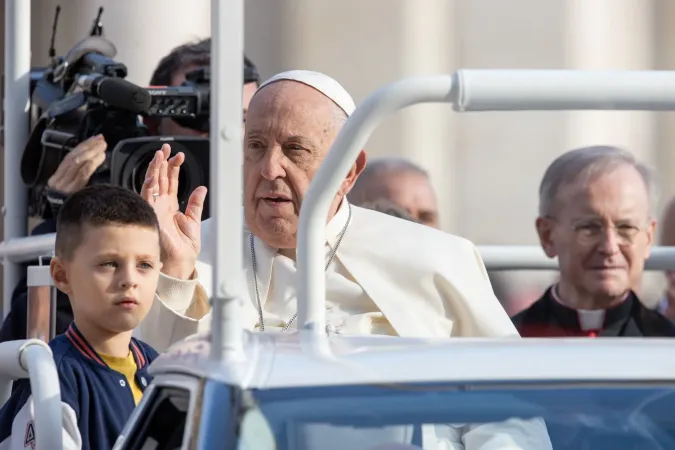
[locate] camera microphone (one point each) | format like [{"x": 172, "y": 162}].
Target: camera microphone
[{"x": 116, "y": 92}]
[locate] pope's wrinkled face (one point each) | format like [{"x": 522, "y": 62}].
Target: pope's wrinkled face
[
  {"x": 289, "y": 130},
  {"x": 601, "y": 231}
]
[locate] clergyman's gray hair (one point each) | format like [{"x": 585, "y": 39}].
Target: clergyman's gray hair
[
  {"x": 366, "y": 189},
  {"x": 391, "y": 164},
  {"x": 585, "y": 164}
]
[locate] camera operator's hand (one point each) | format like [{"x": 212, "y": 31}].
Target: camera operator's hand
[
  {"x": 79, "y": 165},
  {"x": 180, "y": 233}
]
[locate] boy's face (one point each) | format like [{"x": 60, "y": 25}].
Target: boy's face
[{"x": 112, "y": 276}]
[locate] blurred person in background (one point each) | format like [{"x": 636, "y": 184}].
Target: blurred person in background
[
  {"x": 401, "y": 188},
  {"x": 79, "y": 165},
  {"x": 172, "y": 71},
  {"x": 403, "y": 183},
  {"x": 390, "y": 208},
  {"x": 666, "y": 304},
  {"x": 596, "y": 215},
  {"x": 515, "y": 292}
]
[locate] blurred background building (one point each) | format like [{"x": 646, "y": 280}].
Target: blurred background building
[{"x": 486, "y": 167}]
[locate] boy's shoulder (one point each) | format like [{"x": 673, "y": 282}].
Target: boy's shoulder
[
  {"x": 65, "y": 352},
  {"x": 145, "y": 349},
  {"x": 68, "y": 351}
]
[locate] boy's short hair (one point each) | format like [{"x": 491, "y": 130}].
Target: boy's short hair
[{"x": 99, "y": 205}]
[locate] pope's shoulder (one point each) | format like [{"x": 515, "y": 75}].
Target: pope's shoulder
[
  {"x": 373, "y": 231},
  {"x": 372, "y": 223},
  {"x": 376, "y": 229}
]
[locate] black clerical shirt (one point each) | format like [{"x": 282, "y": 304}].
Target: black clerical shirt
[{"x": 547, "y": 317}]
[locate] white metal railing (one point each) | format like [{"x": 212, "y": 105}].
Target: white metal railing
[
  {"x": 33, "y": 359},
  {"x": 495, "y": 257},
  {"x": 24, "y": 249},
  {"x": 227, "y": 72},
  {"x": 532, "y": 257},
  {"x": 467, "y": 90},
  {"x": 15, "y": 115}
]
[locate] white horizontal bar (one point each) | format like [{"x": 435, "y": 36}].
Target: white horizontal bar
[
  {"x": 496, "y": 257},
  {"x": 27, "y": 248},
  {"x": 39, "y": 276},
  {"x": 524, "y": 257},
  {"x": 543, "y": 90}
]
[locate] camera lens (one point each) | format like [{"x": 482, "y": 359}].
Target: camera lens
[{"x": 131, "y": 158}]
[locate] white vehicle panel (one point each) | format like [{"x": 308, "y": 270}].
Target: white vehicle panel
[{"x": 277, "y": 360}]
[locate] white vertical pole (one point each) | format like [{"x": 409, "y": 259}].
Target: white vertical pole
[
  {"x": 227, "y": 77},
  {"x": 16, "y": 107},
  {"x": 352, "y": 138}
]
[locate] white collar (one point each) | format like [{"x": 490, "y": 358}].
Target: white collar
[{"x": 337, "y": 223}]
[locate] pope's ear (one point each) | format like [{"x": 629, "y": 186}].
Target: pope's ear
[{"x": 354, "y": 172}]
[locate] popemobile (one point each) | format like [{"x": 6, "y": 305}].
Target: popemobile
[{"x": 234, "y": 389}]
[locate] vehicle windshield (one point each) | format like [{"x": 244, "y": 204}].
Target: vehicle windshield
[{"x": 433, "y": 416}]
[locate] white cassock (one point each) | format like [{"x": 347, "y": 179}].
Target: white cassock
[{"x": 389, "y": 276}]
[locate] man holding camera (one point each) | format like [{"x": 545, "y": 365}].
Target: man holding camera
[{"x": 78, "y": 166}]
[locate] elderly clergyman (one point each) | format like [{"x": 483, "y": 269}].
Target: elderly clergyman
[
  {"x": 401, "y": 182},
  {"x": 596, "y": 215}
]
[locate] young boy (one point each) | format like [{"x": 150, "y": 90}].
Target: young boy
[{"x": 108, "y": 263}]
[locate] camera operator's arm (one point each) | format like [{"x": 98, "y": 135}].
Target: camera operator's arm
[{"x": 78, "y": 166}]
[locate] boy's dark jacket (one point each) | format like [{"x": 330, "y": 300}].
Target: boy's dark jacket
[{"x": 96, "y": 400}]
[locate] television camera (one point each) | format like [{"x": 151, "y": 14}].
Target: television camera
[{"x": 84, "y": 93}]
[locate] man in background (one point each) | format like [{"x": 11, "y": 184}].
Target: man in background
[
  {"x": 172, "y": 71},
  {"x": 401, "y": 182},
  {"x": 402, "y": 189},
  {"x": 388, "y": 207},
  {"x": 596, "y": 209}
]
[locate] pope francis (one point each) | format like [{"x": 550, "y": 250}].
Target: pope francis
[{"x": 384, "y": 275}]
